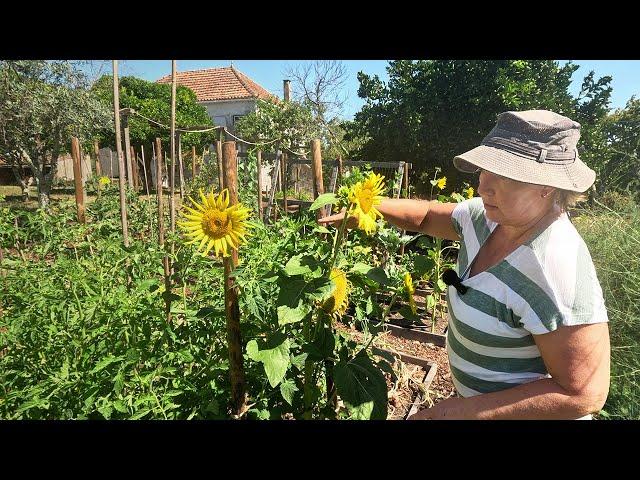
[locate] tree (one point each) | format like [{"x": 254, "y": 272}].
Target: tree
[
  {"x": 288, "y": 122},
  {"x": 430, "y": 110},
  {"x": 619, "y": 168},
  {"x": 153, "y": 100},
  {"x": 43, "y": 104},
  {"x": 319, "y": 85}
]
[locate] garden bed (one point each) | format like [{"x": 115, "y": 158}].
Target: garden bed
[{"x": 438, "y": 388}]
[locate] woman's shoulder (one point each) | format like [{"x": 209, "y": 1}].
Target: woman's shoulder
[{"x": 470, "y": 215}]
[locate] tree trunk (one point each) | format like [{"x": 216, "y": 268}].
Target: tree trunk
[{"x": 44, "y": 190}]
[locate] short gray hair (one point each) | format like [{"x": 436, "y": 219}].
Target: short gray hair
[{"x": 567, "y": 198}]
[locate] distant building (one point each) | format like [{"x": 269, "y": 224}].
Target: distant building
[{"x": 225, "y": 92}]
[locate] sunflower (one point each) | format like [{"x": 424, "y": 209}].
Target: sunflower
[
  {"x": 408, "y": 283},
  {"x": 215, "y": 224},
  {"x": 364, "y": 197},
  {"x": 336, "y": 305},
  {"x": 441, "y": 183},
  {"x": 104, "y": 181},
  {"x": 469, "y": 192}
]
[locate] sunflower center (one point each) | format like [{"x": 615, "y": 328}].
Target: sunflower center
[
  {"x": 366, "y": 200},
  {"x": 216, "y": 224}
]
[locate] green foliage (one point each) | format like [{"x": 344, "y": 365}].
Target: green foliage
[
  {"x": 153, "y": 100},
  {"x": 43, "y": 104},
  {"x": 290, "y": 123},
  {"x": 431, "y": 110},
  {"x": 613, "y": 238}
]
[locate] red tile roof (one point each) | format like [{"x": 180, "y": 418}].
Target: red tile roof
[{"x": 224, "y": 83}]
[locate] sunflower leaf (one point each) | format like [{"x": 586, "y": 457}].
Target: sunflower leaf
[
  {"x": 322, "y": 200},
  {"x": 362, "y": 268},
  {"x": 291, "y": 315},
  {"x": 362, "y": 387}
]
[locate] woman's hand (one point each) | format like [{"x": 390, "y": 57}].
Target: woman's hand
[
  {"x": 336, "y": 220},
  {"x": 449, "y": 409}
]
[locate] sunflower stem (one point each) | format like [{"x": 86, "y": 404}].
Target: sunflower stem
[{"x": 337, "y": 241}]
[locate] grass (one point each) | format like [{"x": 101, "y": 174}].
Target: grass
[{"x": 612, "y": 234}]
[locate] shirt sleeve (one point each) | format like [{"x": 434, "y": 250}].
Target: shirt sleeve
[{"x": 568, "y": 293}]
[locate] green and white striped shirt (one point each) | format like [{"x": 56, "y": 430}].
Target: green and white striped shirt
[{"x": 545, "y": 283}]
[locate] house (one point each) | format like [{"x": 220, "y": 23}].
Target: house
[{"x": 225, "y": 92}]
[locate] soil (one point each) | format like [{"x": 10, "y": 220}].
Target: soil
[{"x": 441, "y": 387}]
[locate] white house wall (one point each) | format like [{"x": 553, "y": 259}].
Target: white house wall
[{"x": 225, "y": 110}]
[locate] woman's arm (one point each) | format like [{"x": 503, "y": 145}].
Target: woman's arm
[
  {"x": 430, "y": 217},
  {"x": 577, "y": 358}
]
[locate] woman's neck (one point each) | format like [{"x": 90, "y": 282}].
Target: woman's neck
[{"x": 521, "y": 233}]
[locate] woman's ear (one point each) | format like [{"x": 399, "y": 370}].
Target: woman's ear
[{"x": 546, "y": 191}]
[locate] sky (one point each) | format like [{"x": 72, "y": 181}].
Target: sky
[{"x": 271, "y": 73}]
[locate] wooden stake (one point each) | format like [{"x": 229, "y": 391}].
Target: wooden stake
[
  {"x": 316, "y": 170},
  {"x": 127, "y": 149},
  {"x": 285, "y": 202},
  {"x": 181, "y": 168},
  {"x": 259, "y": 167},
  {"x": 96, "y": 149},
  {"x": 219, "y": 153},
  {"x": 232, "y": 308},
  {"x": 134, "y": 169},
  {"x": 173, "y": 149},
  {"x": 116, "y": 109},
  {"x": 77, "y": 178},
  {"x": 340, "y": 169},
  {"x": 165, "y": 259},
  {"x": 193, "y": 163}
]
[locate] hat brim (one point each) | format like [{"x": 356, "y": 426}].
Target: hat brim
[{"x": 576, "y": 176}]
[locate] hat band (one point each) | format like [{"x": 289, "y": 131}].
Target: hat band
[{"x": 541, "y": 155}]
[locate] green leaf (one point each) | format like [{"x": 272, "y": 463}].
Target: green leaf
[
  {"x": 322, "y": 200},
  {"x": 321, "y": 229},
  {"x": 442, "y": 287},
  {"x": 430, "y": 302},
  {"x": 320, "y": 289},
  {"x": 253, "y": 351},
  {"x": 298, "y": 265},
  {"x": 423, "y": 265},
  {"x": 378, "y": 275},
  {"x": 406, "y": 312},
  {"x": 322, "y": 346},
  {"x": 298, "y": 360},
  {"x": 274, "y": 357},
  {"x": 361, "y": 268},
  {"x": 120, "y": 406},
  {"x": 369, "y": 307},
  {"x": 362, "y": 387},
  {"x": 288, "y": 389},
  {"x": 292, "y": 315},
  {"x": 105, "y": 362}
]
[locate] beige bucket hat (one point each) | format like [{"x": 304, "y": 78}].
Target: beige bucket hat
[{"x": 533, "y": 146}]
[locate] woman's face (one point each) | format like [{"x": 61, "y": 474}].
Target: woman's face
[{"x": 512, "y": 203}]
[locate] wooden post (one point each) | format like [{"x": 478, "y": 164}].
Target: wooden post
[
  {"x": 316, "y": 170},
  {"x": 340, "y": 169},
  {"x": 96, "y": 149},
  {"x": 407, "y": 166},
  {"x": 173, "y": 149},
  {"x": 259, "y": 167},
  {"x": 165, "y": 259},
  {"x": 180, "y": 167},
  {"x": 283, "y": 169},
  {"x": 193, "y": 163},
  {"x": 77, "y": 178},
  {"x": 232, "y": 308},
  {"x": 219, "y": 154},
  {"x": 116, "y": 108},
  {"x": 134, "y": 169},
  {"x": 127, "y": 149},
  {"x": 286, "y": 87}
]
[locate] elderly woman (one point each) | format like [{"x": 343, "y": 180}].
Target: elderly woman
[{"x": 528, "y": 338}]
